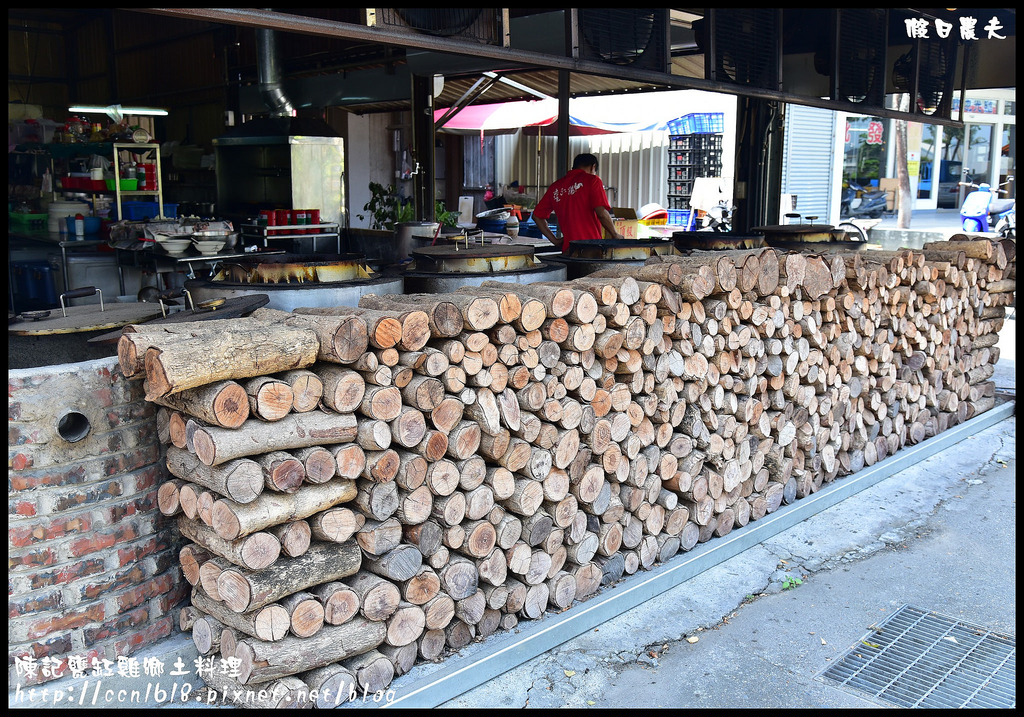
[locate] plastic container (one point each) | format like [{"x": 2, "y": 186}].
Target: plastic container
[
  {"x": 24, "y": 222},
  {"x": 138, "y": 211},
  {"x": 679, "y": 217},
  {"x": 90, "y": 226},
  {"x": 127, "y": 185},
  {"x": 698, "y": 123}
]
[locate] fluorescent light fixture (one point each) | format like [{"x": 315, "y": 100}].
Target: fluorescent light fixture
[{"x": 96, "y": 109}]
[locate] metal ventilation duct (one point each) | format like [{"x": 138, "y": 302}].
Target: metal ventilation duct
[{"x": 269, "y": 72}]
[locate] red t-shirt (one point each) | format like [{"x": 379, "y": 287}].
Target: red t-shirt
[{"x": 573, "y": 199}]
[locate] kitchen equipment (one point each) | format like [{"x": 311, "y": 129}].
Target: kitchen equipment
[
  {"x": 174, "y": 245},
  {"x": 208, "y": 247},
  {"x": 58, "y": 211},
  {"x": 62, "y": 334},
  {"x": 819, "y": 237},
  {"x": 292, "y": 280},
  {"x": 444, "y": 268}
]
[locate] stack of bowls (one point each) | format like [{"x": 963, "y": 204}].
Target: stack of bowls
[
  {"x": 208, "y": 247},
  {"x": 174, "y": 244}
]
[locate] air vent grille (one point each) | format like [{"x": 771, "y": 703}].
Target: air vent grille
[
  {"x": 635, "y": 37},
  {"x": 861, "y": 54},
  {"x": 479, "y": 24},
  {"x": 745, "y": 47}
]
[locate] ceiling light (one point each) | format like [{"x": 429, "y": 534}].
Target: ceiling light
[{"x": 123, "y": 111}]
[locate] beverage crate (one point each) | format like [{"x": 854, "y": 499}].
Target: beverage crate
[
  {"x": 678, "y": 202},
  {"x": 679, "y": 217},
  {"x": 680, "y": 156},
  {"x": 680, "y": 141},
  {"x": 707, "y": 141},
  {"x": 681, "y": 171},
  {"x": 698, "y": 123},
  {"x": 680, "y": 186}
]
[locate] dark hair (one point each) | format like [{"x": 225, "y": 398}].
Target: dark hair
[{"x": 584, "y": 160}]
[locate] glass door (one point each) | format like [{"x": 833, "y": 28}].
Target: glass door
[{"x": 927, "y": 186}]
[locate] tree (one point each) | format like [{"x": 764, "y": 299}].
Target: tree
[{"x": 905, "y": 199}]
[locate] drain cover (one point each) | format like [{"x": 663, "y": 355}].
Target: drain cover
[{"x": 917, "y": 658}]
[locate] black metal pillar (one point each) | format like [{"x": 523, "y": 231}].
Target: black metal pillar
[
  {"x": 423, "y": 146},
  {"x": 759, "y": 143}
]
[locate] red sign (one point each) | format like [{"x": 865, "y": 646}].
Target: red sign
[{"x": 875, "y": 133}]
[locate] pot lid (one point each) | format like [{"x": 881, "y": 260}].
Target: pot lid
[
  {"x": 86, "y": 318},
  {"x": 795, "y": 228}
]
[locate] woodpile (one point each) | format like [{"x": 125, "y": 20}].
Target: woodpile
[{"x": 363, "y": 488}]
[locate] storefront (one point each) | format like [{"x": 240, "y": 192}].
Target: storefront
[{"x": 937, "y": 156}]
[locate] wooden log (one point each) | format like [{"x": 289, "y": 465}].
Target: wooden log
[
  {"x": 191, "y": 558},
  {"x": 398, "y": 564},
  {"x": 253, "y": 552},
  {"x": 343, "y": 388},
  {"x": 341, "y": 603},
  {"x": 332, "y": 684},
  {"x": 215, "y": 446},
  {"x": 307, "y": 388},
  {"x": 350, "y": 460},
  {"x": 444, "y": 318},
  {"x": 282, "y": 472},
  {"x": 405, "y": 626},
  {"x": 222, "y": 403},
  {"x": 269, "y": 398},
  {"x": 269, "y": 623},
  {"x": 262, "y": 662},
  {"x": 240, "y": 480},
  {"x": 285, "y": 693},
  {"x": 319, "y": 464},
  {"x": 243, "y": 590},
  {"x": 341, "y": 339},
  {"x": 226, "y": 355},
  {"x": 233, "y": 520},
  {"x": 306, "y": 613},
  {"x": 379, "y": 537}
]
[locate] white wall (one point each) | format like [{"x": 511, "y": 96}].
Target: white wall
[{"x": 370, "y": 159}]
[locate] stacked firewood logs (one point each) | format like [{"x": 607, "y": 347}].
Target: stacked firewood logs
[{"x": 363, "y": 488}]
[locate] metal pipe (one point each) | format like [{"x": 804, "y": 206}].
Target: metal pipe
[{"x": 269, "y": 72}]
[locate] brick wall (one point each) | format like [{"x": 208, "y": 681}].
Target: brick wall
[{"x": 92, "y": 564}]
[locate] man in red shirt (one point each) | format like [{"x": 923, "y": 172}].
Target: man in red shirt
[{"x": 579, "y": 201}]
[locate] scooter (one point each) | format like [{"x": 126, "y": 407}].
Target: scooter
[
  {"x": 982, "y": 209},
  {"x": 717, "y": 219},
  {"x": 858, "y": 201}
]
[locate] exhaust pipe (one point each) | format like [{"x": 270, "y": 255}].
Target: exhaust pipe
[{"x": 269, "y": 72}]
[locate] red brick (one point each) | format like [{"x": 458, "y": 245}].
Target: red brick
[
  {"x": 21, "y": 461},
  {"x": 67, "y": 573},
  {"x": 64, "y": 475},
  {"x": 52, "y": 645},
  {"x": 46, "y": 530},
  {"x": 141, "y": 593},
  {"x": 177, "y": 596},
  {"x": 21, "y": 507},
  {"x": 43, "y": 626},
  {"x": 37, "y": 601},
  {"x": 116, "y": 626},
  {"x": 91, "y": 494},
  {"x": 35, "y": 557},
  {"x": 118, "y": 580},
  {"x": 119, "y": 511},
  {"x": 137, "y": 552},
  {"x": 158, "y": 630}
]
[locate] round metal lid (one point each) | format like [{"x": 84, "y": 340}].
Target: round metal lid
[
  {"x": 87, "y": 318},
  {"x": 795, "y": 228},
  {"x": 473, "y": 251}
]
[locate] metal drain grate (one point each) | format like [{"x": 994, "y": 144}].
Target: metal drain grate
[{"x": 917, "y": 658}]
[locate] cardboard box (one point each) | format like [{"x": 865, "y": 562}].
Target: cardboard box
[
  {"x": 626, "y": 222},
  {"x": 891, "y": 188}
]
